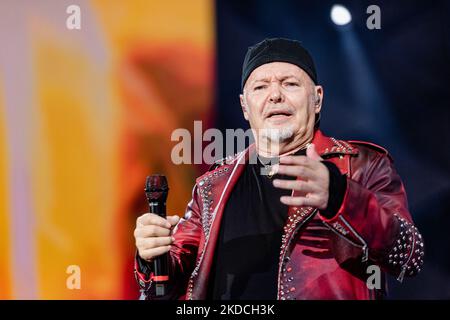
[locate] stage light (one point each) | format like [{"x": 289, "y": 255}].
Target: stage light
[{"x": 340, "y": 15}]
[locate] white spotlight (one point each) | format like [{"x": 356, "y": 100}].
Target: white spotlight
[{"x": 340, "y": 15}]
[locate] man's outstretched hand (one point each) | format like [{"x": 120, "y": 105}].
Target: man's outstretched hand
[{"x": 313, "y": 182}]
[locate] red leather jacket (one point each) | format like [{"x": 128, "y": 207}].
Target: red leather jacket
[{"x": 319, "y": 258}]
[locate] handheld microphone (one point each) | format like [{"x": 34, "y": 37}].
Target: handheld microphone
[{"x": 156, "y": 191}]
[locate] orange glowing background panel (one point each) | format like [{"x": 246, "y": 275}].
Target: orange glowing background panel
[{"x": 96, "y": 109}]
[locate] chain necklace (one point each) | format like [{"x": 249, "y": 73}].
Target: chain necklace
[{"x": 269, "y": 171}]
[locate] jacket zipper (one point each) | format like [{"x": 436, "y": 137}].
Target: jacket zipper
[
  {"x": 405, "y": 265},
  {"x": 363, "y": 246}
]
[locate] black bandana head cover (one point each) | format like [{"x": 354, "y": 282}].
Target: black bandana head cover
[{"x": 278, "y": 50}]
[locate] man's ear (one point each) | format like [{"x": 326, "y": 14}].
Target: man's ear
[
  {"x": 244, "y": 106},
  {"x": 318, "y": 94}
]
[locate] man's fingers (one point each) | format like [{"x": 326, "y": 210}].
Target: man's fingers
[
  {"x": 151, "y": 231},
  {"x": 152, "y": 219},
  {"x": 298, "y": 185},
  {"x": 296, "y": 171},
  {"x": 312, "y": 153},
  {"x": 297, "y": 160},
  {"x": 150, "y": 243},
  {"x": 173, "y": 220},
  {"x": 299, "y": 201},
  {"x": 154, "y": 252}
]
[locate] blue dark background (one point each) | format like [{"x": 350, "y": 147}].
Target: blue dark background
[{"x": 389, "y": 86}]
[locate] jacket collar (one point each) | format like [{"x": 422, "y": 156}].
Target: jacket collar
[{"x": 326, "y": 146}]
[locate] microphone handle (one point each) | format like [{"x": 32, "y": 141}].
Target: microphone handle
[{"x": 160, "y": 263}]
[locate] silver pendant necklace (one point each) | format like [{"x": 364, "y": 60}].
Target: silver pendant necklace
[{"x": 269, "y": 171}]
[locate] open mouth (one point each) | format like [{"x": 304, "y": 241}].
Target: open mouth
[{"x": 279, "y": 114}]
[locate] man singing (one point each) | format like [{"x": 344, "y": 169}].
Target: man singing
[{"x": 309, "y": 228}]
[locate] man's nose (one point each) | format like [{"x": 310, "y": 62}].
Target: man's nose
[{"x": 275, "y": 93}]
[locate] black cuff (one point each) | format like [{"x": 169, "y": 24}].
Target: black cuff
[{"x": 336, "y": 190}]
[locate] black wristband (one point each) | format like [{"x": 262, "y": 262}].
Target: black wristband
[{"x": 336, "y": 189}]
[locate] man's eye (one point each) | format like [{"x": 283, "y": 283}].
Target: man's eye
[
  {"x": 292, "y": 84},
  {"x": 259, "y": 87}
]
